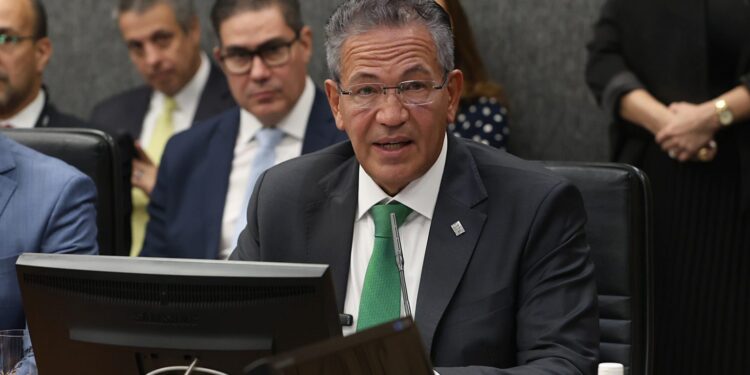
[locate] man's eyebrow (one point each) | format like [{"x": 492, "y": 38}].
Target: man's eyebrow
[
  {"x": 416, "y": 69},
  {"x": 364, "y": 76},
  {"x": 268, "y": 43},
  {"x": 156, "y": 34},
  {"x": 6, "y": 30}
]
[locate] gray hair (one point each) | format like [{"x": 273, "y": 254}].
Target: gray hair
[
  {"x": 184, "y": 10},
  {"x": 354, "y": 17}
]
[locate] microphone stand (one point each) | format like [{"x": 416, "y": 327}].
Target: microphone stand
[{"x": 400, "y": 263}]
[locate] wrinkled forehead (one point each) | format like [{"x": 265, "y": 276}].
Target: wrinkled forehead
[{"x": 390, "y": 52}]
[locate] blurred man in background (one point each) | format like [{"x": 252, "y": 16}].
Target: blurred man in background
[{"x": 182, "y": 86}]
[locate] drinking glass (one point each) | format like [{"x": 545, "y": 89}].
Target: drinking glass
[{"x": 12, "y": 353}]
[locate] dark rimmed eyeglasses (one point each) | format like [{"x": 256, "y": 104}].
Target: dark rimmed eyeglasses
[{"x": 239, "y": 60}]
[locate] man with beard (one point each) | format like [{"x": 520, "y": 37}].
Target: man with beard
[{"x": 25, "y": 51}]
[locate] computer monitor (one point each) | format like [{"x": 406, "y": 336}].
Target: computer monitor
[
  {"x": 390, "y": 348},
  {"x": 119, "y": 315}
]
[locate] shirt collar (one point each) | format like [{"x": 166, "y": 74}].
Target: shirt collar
[
  {"x": 420, "y": 195},
  {"x": 28, "y": 116},
  {"x": 189, "y": 96},
  {"x": 293, "y": 124}
]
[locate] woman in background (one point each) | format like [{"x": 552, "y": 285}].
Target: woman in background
[
  {"x": 482, "y": 115},
  {"x": 674, "y": 76}
]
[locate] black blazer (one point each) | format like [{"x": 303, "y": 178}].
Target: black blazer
[
  {"x": 52, "y": 118},
  {"x": 666, "y": 52},
  {"x": 515, "y": 291},
  {"x": 124, "y": 112}
]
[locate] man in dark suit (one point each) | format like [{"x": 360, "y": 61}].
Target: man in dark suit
[
  {"x": 496, "y": 262},
  {"x": 208, "y": 172},
  {"x": 183, "y": 86},
  {"x": 25, "y": 51}
]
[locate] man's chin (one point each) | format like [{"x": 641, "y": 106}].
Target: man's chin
[
  {"x": 267, "y": 112},
  {"x": 166, "y": 87}
]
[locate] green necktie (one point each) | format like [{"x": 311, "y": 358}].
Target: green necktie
[{"x": 381, "y": 293}]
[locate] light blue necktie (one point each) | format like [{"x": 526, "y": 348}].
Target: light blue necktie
[{"x": 265, "y": 157}]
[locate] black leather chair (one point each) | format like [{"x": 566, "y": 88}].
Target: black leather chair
[
  {"x": 617, "y": 198},
  {"x": 95, "y": 154}
]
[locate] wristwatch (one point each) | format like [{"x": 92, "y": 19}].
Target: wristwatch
[{"x": 723, "y": 112}]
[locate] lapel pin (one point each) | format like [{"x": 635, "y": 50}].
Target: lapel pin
[{"x": 458, "y": 229}]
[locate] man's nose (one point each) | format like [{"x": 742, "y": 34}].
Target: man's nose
[
  {"x": 152, "y": 54},
  {"x": 391, "y": 111},
  {"x": 259, "y": 71}
]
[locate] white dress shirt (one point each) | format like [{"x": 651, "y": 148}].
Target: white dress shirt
[
  {"x": 186, "y": 99},
  {"x": 421, "y": 196},
  {"x": 27, "y": 118},
  {"x": 293, "y": 126}
]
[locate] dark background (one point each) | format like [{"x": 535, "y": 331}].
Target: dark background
[{"x": 534, "y": 48}]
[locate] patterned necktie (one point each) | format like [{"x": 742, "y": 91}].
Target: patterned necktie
[
  {"x": 381, "y": 293},
  {"x": 265, "y": 157},
  {"x": 163, "y": 130}
]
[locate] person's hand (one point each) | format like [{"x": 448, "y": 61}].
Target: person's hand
[
  {"x": 689, "y": 133},
  {"x": 144, "y": 171}
]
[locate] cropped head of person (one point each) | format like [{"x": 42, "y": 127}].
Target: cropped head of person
[
  {"x": 393, "y": 86},
  {"x": 476, "y": 80},
  {"x": 264, "y": 51},
  {"x": 163, "y": 41},
  {"x": 25, "y": 51}
]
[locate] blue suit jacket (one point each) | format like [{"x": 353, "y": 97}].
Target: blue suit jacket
[
  {"x": 187, "y": 203},
  {"x": 46, "y": 206}
]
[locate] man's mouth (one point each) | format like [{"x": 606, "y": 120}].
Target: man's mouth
[{"x": 392, "y": 146}]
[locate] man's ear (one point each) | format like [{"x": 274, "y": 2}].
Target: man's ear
[
  {"x": 217, "y": 57},
  {"x": 43, "y": 52},
  {"x": 306, "y": 42},
  {"x": 332, "y": 92},
  {"x": 194, "y": 31},
  {"x": 454, "y": 87}
]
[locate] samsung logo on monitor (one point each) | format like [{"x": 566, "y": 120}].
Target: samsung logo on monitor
[{"x": 166, "y": 318}]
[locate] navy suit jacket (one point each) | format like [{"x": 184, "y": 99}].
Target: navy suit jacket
[
  {"x": 124, "y": 112},
  {"x": 187, "y": 203},
  {"x": 514, "y": 294},
  {"x": 46, "y": 206}
]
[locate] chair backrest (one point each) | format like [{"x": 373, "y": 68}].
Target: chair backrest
[
  {"x": 617, "y": 198},
  {"x": 95, "y": 154}
]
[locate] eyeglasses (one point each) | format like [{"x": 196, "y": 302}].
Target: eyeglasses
[
  {"x": 7, "y": 40},
  {"x": 238, "y": 60},
  {"x": 416, "y": 92}
]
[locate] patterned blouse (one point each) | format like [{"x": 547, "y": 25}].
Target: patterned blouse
[{"x": 483, "y": 120}]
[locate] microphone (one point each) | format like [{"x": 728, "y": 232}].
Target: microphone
[{"x": 400, "y": 262}]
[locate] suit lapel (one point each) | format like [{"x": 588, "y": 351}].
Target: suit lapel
[
  {"x": 330, "y": 224},
  {"x": 7, "y": 164},
  {"x": 321, "y": 129},
  {"x": 218, "y": 166},
  {"x": 132, "y": 120},
  {"x": 215, "y": 97},
  {"x": 448, "y": 254}
]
